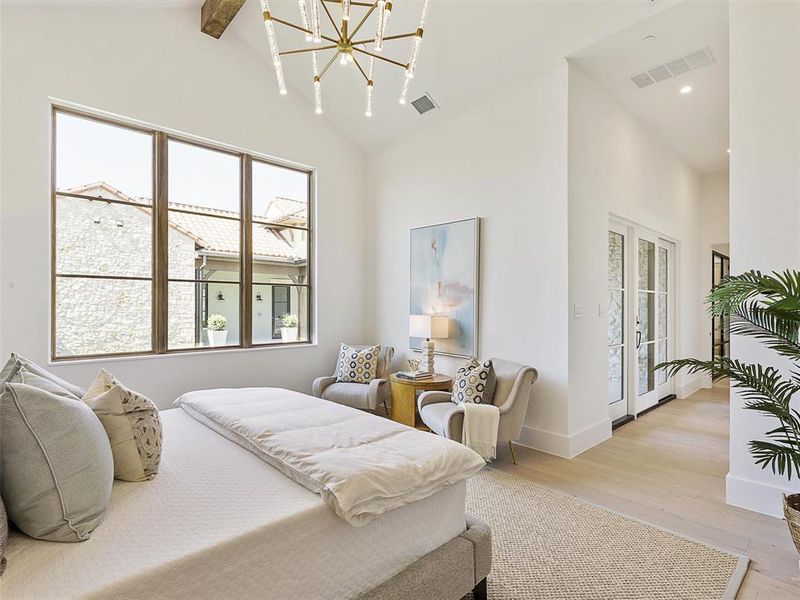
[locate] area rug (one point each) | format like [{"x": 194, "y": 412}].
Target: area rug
[{"x": 549, "y": 545}]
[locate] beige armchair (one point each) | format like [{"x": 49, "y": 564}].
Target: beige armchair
[
  {"x": 511, "y": 395},
  {"x": 365, "y": 396}
]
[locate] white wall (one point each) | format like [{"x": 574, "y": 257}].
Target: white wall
[
  {"x": 765, "y": 200},
  {"x": 618, "y": 167},
  {"x": 504, "y": 161},
  {"x": 155, "y": 65},
  {"x": 714, "y": 235}
]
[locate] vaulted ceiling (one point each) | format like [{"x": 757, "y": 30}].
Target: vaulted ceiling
[{"x": 472, "y": 50}]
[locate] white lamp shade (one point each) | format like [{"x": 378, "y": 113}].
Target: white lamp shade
[{"x": 428, "y": 326}]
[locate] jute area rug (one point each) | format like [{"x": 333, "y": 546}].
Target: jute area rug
[{"x": 548, "y": 545}]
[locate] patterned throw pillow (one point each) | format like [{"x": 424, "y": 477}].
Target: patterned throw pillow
[
  {"x": 133, "y": 426},
  {"x": 474, "y": 382},
  {"x": 357, "y": 365}
]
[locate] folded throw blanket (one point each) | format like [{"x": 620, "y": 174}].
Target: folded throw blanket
[
  {"x": 481, "y": 422},
  {"x": 362, "y": 465}
]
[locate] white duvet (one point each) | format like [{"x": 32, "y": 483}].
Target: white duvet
[{"x": 362, "y": 465}]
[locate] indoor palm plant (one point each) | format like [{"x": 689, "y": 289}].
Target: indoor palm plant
[{"x": 767, "y": 308}]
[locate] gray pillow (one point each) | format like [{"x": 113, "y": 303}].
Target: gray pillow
[
  {"x": 42, "y": 383},
  {"x": 56, "y": 466},
  {"x": 3, "y": 536},
  {"x": 12, "y": 367}
]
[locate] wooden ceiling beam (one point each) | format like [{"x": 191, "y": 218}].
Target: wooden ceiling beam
[{"x": 216, "y": 15}]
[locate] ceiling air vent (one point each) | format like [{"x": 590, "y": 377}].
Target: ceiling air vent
[
  {"x": 424, "y": 104},
  {"x": 673, "y": 68}
]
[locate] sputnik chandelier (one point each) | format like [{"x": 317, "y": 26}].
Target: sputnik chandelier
[{"x": 347, "y": 44}]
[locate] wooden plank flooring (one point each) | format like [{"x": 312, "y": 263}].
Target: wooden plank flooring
[{"x": 668, "y": 468}]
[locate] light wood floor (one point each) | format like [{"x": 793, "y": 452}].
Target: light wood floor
[{"x": 668, "y": 468}]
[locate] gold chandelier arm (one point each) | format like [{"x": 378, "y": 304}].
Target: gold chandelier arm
[
  {"x": 314, "y": 49},
  {"x": 388, "y": 38},
  {"x": 328, "y": 66},
  {"x": 379, "y": 57},
  {"x": 355, "y": 60},
  {"x": 363, "y": 20},
  {"x": 303, "y": 29},
  {"x": 333, "y": 22},
  {"x": 351, "y": 3}
]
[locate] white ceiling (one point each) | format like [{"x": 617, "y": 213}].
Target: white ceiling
[
  {"x": 695, "y": 125},
  {"x": 471, "y": 50}
]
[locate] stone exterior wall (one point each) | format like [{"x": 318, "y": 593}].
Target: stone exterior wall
[
  {"x": 95, "y": 316},
  {"x": 107, "y": 316}
]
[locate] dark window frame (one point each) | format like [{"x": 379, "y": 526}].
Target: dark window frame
[{"x": 160, "y": 231}]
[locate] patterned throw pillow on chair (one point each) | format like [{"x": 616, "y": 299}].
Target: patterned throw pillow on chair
[
  {"x": 474, "y": 382},
  {"x": 357, "y": 365}
]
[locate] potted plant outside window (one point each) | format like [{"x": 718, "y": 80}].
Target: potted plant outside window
[
  {"x": 767, "y": 308},
  {"x": 289, "y": 324},
  {"x": 216, "y": 332}
]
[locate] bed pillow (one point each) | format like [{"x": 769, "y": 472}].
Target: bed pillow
[
  {"x": 474, "y": 382},
  {"x": 16, "y": 362},
  {"x": 132, "y": 424},
  {"x": 357, "y": 365},
  {"x": 43, "y": 383},
  {"x": 56, "y": 467},
  {"x": 3, "y": 536}
]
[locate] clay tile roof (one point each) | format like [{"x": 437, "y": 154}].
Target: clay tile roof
[
  {"x": 219, "y": 234},
  {"x": 286, "y": 211}
]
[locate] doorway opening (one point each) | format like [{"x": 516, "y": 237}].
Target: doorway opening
[{"x": 720, "y": 325}]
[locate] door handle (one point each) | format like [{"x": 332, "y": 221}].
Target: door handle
[{"x": 638, "y": 332}]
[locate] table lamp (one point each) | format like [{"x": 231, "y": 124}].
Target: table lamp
[{"x": 429, "y": 327}]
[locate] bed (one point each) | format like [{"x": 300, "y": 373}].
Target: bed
[{"x": 219, "y": 522}]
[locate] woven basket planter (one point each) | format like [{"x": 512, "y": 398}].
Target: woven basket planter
[{"x": 791, "y": 510}]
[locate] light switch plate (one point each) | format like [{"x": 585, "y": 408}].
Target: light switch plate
[{"x": 578, "y": 311}]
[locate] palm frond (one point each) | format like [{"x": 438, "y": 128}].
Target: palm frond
[
  {"x": 780, "y": 291},
  {"x": 779, "y": 330},
  {"x": 781, "y": 458}
]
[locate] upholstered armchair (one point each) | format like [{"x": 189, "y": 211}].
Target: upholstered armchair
[
  {"x": 511, "y": 395},
  {"x": 365, "y": 396}
]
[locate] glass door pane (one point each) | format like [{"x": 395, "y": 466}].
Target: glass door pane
[
  {"x": 646, "y": 316},
  {"x": 616, "y": 324}
]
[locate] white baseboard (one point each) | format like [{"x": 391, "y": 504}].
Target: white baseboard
[
  {"x": 688, "y": 388},
  {"x": 755, "y": 495},
  {"x": 565, "y": 446}
]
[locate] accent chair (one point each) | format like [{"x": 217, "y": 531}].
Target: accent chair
[
  {"x": 512, "y": 394},
  {"x": 365, "y": 396}
]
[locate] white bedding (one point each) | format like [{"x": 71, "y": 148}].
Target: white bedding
[
  {"x": 362, "y": 466},
  {"x": 217, "y": 522}
]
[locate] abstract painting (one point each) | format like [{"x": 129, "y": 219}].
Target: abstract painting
[{"x": 444, "y": 282}]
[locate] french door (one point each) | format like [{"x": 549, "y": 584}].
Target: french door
[{"x": 641, "y": 323}]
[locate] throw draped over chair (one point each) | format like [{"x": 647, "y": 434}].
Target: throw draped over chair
[
  {"x": 511, "y": 395},
  {"x": 365, "y": 396}
]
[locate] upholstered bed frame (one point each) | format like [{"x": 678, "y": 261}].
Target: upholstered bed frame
[{"x": 448, "y": 573}]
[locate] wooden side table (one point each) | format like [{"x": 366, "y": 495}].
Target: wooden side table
[{"x": 404, "y": 396}]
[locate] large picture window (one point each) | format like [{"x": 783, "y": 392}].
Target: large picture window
[{"x": 164, "y": 244}]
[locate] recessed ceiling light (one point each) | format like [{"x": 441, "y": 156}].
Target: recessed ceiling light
[
  {"x": 686, "y": 89},
  {"x": 729, "y": 150}
]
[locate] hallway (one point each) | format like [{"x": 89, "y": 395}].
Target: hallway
[{"x": 668, "y": 468}]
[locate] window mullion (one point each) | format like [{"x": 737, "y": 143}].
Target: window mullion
[
  {"x": 160, "y": 244},
  {"x": 246, "y": 262}
]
